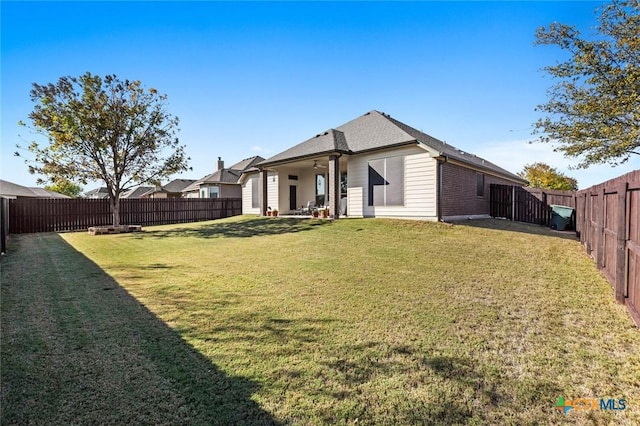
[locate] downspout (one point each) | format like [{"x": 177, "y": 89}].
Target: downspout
[
  {"x": 335, "y": 186},
  {"x": 443, "y": 159},
  {"x": 513, "y": 203},
  {"x": 263, "y": 178}
]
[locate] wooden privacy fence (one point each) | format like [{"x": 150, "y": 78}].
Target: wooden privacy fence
[
  {"x": 608, "y": 221},
  {"x": 52, "y": 215},
  {"x": 530, "y": 205}
]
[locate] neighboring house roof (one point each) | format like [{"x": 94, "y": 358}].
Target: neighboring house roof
[
  {"x": 45, "y": 193},
  {"x": 137, "y": 192},
  {"x": 12, "y": 190},
  {"x": 221, "y": 176},
  {"x": 373, "y": 131},
  {"x": 229, "y": 175},
  {"x": 225, "y": 176},
  {"x": 194, "y": 187},
  {"x": 247, "y": 163},
  {"x": 177, "y": 185},
  {"x": 101, "y": 192}
]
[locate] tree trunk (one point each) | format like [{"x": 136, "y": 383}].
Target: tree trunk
[{"x": 115, "y": 210}]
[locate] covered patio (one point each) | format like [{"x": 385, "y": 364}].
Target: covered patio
[{"x": 302, "y": 187}]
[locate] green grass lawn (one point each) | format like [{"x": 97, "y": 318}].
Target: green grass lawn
[{"x": 286, "y": 321}]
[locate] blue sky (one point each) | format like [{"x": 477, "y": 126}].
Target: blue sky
[{"x": 256, "y": 78}]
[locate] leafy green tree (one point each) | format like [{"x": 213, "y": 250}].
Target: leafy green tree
[
  {"x": 541, "y": 175},
  {"x": 66, "y": 187},
  {"x": 104, "y": 129},
  {"x": 593, "y": 111}
]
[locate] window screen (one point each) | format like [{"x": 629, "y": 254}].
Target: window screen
[{"x": 386, "y": 182}]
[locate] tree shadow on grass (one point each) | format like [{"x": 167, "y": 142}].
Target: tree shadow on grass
[
  {"x": 508, "y": 225},
  {"x": 242, "y": 229},
  {"x": 74, "y": 352}
]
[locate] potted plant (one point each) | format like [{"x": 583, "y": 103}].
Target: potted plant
[
  {"x": 275, "y": 212},
  {"x": 315, "y": 213},
  {"x": 325, "y": 213},
  {"x": 269, "y": 212}
]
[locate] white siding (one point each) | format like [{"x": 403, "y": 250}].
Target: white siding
[
  {"x": 307, "y": 187},
  {"x": 355, "y": 201},
  {"x": 247, "y": 193},
  {"x": 419, "y": 185},
  {"x": 272, "y": 191},
  {"x": 247, "y": 196}
]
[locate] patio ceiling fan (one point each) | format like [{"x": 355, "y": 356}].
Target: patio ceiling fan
[{"x": 318, "y": 166}]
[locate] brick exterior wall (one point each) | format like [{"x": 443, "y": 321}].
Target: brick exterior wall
[{"x": 459, "y": 191}]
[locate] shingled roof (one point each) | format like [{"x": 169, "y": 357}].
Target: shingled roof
[
  {"x": 372, "y": 131},
  {"x": 12, "y": 190},
  {"x": 137, "y": 192},
  {"x": 226, "y": 175},
  {"x": 177, "y": 185},
  {"x": 247, "y": 163}
]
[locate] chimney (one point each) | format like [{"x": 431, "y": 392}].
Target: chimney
[{"x": 220, "y": 164}]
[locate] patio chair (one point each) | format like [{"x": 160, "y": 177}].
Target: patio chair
[{"x": 309, "y": 209}]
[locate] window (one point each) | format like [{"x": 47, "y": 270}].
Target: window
[
  {"x": 480, "y": 184},
  {"x": 320, "y": 190},
  {"x": 209, "y": 192},
  {"x": 386, "y": 182},
  {"x": 214, "y": 192}
]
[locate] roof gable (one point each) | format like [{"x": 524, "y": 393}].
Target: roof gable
[
  {"x": 369, "y": 131},
  {"x": 373, "y": 130}
]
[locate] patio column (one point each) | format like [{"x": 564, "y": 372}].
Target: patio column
[
  {"x": 334, "y": 186},
  {"x": 263, "y": 192}
]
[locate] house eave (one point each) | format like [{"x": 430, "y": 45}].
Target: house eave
[
  {"x": 386, "y": 147},
  {"x": 268, "y": 164}
]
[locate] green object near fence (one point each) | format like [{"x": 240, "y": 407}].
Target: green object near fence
[{"x": 561, "y": 216}]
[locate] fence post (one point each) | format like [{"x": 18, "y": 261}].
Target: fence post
[
  {"x": 581, "y": 216},
  {"x": 588, "y": 224},
  {"x": 621, "y": 245},
  {"x": 600, "y": 229},
  {"x": 4, "y": 218}
]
